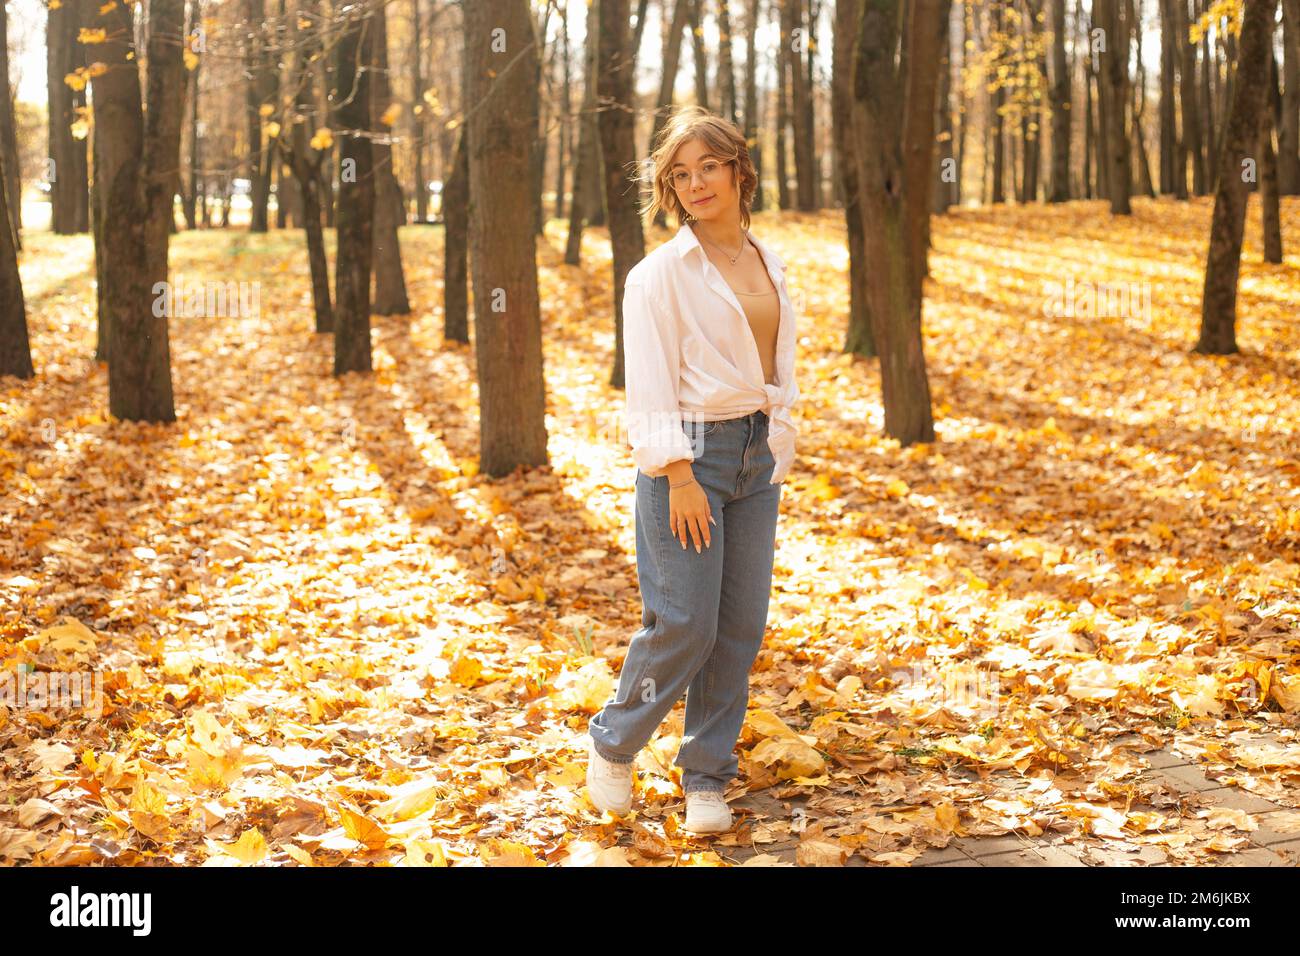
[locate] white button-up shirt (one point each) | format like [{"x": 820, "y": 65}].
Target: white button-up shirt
[{"x": 690, "y": 354}]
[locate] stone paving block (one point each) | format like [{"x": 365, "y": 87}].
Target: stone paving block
[
  {"x": 1016, "y": 858},
  {"x": 1259, "y": 856},
  {"x": 948, "y": 854},
  {"x": 739, "y": 855},
  {"x": 1037, "y": 855},
  {"x": 1146, "y": 856},
  {"x": 1266, "y": 835},
  {"x": 1237, "y": 799},
  {"x": 1290, "y": 852},
  {"x": 1060, "y": 855},
  {"x": 1187, "y": 778},
  {"x": 1160, "y": 759},
  {"x": 979, "y": 847}
]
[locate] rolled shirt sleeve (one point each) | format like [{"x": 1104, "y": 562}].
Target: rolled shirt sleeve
[{"x": 651, "y": 346}]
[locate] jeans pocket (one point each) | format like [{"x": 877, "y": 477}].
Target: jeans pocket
[
  {"x": 696, "y": 428},
  {"x": 697, "y": 432}
]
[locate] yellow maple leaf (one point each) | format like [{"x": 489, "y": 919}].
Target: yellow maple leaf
[
  {"x": 299, "y": 854},
  {"x": 465, "y": 671},
  {"x": 424, "y": 853},
  {"x": 248, "y": 849},
  {"x": 508, "y": 853},
  {"x": 148, "y": 809},
  {"x": 364, "y": 830},
  {"x": 897, "y": 488}
]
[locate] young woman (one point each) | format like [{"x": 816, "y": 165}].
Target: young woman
[{"x": 709, "y": 334}]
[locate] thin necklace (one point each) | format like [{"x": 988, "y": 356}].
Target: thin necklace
[{"x": 724, "y": 251}]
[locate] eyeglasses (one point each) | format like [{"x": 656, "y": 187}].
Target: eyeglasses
[{"x": 709, "y": 170}]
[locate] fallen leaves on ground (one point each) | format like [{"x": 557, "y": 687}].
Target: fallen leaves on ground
[{"x": 324, "y": 638}]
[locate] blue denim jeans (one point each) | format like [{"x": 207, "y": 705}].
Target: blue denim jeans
[{"x": 703, "y": 615}]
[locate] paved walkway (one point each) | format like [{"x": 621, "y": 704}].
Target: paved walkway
[{"x": 1189, "y": 792}]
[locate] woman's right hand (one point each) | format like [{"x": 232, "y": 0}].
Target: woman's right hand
[{"x": 688, "y": 511}]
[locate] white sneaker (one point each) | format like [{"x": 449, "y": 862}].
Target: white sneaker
[
  {"x": 609, "y": 784},
  {"x": 707, "y": 812}
]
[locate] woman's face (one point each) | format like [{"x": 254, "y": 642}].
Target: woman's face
[{"x": 704, "y": 183}]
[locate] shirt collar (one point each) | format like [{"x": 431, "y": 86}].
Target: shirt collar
[{"x": 686, "y": 240}]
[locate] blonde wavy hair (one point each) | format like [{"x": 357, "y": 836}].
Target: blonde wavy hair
[{"x": 721, "y": 138}]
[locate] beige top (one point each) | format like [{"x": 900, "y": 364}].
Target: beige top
[{"x": 763, "y": 310}]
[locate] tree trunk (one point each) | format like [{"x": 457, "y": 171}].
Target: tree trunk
[
  {"x": 700, "y": 54},
  {"x": 754, "y": 134},
  {"x": 753, "y": 128},
  {"x": 455, "y": 217},
  {"x": 1170, "y": 172},
  {"x": 997, "y": 100},
  {"x": 356, "y": 201},
  {"x": 1187, "y": 87},
  {"x": 1090, "y": 123},
  {"x": 859, "y": 339},
  {"x": 1270, "y": 212},
  {"x": 305, "y": 162},
  {"x": 726, "y": 65},
  {"x": 618, "y": 147},
  {"x": 963, "y": 103},
  {"x": 1031, "y": 123},
  {"x": 191, "y": 198},
  {"x": 259, "y": 170},
  {"x": 1227, "y": 47},
  {"x": 390, "y": 280},
  {"x": 671, "y": 59},
  {"x": 1060, "y": 91},
  {"x": 929, "y": 37},
  {"x": 1113, "y": 18},
  {"x": 1223, "y": 263},
  {"x": 98, "y": 205},
  {"x": 305, "y": 172},
  {"x": 15, "y": 347},
  {"x": 810, "y": 129},
  {"x": 565, "y": 119},
  {"x": 141, "y": 174},
  {"x": 12, "y": 179},
  {"x": 1145, "y": 183},
  {"x": 543, "y": 104},
  {"x": 69, "y": 194},
  {"x": 801, "y": 107},
  {"x": 588, "y": 193},
  {"x": 637, "y": 31},
  {"x": 1206, "y": 98},
  {"x": 502, "y": 133},
  {"x": 878, "y": 134},
  {"x": 943, "y": 189},
  {"x": 783, "y": 105},
  {"x": 418, "y": 107},
  {"x": 1289, "y": 131}
]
